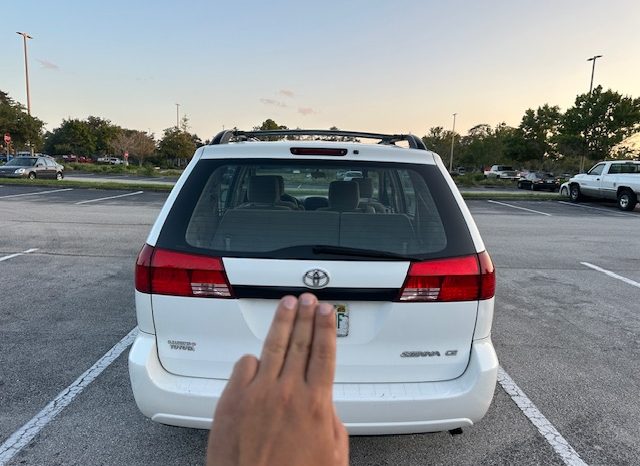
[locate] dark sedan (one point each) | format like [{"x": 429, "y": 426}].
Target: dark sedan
[
  {"x": 538, "y": 181},
  {"x": 32, "y": 168}
]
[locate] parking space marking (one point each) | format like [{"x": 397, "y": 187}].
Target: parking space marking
[
  {"x": 21, "y": 438},
  {"x": 521, "y": 208},
  {"x": 628, "y": 281},
  {"x": 110, "y": 197},
  {"x": 35, "y": 194},
  {"x": 568, "y": 455},
  {"x": 11, "y": 256},
  {"x": 593, "y": 208}
]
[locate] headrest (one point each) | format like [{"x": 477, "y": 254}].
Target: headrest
[
  {"x": 366, "y": 187},
  {"x": 343, "y": 195},
  {"x": 263, "y": 189}
]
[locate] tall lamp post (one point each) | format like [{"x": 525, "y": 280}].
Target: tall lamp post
[
  {"x": 593, "y": 70},
  {"x": 177, "y": 116},
  {"x": 26, "y": 36},
  {"x": 453, "y": 136}
]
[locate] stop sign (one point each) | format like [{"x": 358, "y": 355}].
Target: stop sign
[{"x": 7, "y": 137}]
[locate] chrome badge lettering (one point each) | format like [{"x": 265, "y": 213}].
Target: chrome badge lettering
[
  {"x": 426, "y": 354},
  {"x": 182, "y": 345}
]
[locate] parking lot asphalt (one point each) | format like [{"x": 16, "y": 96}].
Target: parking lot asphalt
[{"x": 567, "y": 333}]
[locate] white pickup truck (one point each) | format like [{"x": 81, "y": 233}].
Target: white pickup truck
[{"x": 614, "y": 180}]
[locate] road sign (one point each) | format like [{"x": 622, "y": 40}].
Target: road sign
[{"x": 7, "y": 137}]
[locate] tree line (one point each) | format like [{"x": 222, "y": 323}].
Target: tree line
[{"x": 546, "y": 138}]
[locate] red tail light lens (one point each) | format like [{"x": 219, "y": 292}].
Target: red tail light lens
[
  {"x": 467, "y": 278},
  {"x": 160, "y": 271}
]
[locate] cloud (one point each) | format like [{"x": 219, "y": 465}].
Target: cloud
[
  {"x": 48, "y": 65},
  {"x": 275, "y": 103},
  {"x": 286, "y": 93},
  {"x": 306, "y": 111}
]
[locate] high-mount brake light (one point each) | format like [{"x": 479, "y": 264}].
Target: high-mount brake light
[
  {"x": 160, "y": 271},
  {"x": 467, "y": 278},
  {"x": 318, "y": 151}
]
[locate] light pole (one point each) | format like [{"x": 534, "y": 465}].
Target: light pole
[
  {"x": 593, "y": 69},
  {"x": 178, "y": 116},
  {"x": 453, "y": 136},
  {"x": 26, "y": 36}
]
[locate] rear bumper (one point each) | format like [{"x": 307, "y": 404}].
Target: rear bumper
[{"x": 365, "y": 409}]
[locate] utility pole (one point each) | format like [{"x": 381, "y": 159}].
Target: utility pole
[
  {"x": 26, "y": 36},
  {"x": 178, "y": 116},
  {"x": 453, "y": 136}
]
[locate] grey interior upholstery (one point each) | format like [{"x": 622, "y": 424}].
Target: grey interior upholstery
[
  {"x": 264, "y": 193},
  {"x": 260, "y": 230},
  {"x": 367, "y": 203},
  {"x": 343, "y": 196}
]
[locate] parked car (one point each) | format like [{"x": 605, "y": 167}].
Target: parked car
[
  {"x": 352, "y": 175},
  {"x": 32, "y": 168},
  {"x": 615, "y": 180},
  {"x": 539, "y": 181},
  {"x": 110, "y": 160},
  {"x": 564, "y": 189},
  {"x": 502, "y": 172},
  {"x": 396, "y": 252}
]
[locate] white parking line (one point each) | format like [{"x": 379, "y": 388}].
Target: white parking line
[
  {"x": 628, "y": 281},
  {"x": 110, "y": 197},
  {"x": 35, "y": 194},
  {"x": 593, "y": 208},
  {"x": 11, "y": 256},
  {"x": 521, "y": 208},
  {"x": 21, "y": 438},
  {"x": 568, "y": 455}
]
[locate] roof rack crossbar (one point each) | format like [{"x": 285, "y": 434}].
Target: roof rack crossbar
[{"x": 224, "y": 137}]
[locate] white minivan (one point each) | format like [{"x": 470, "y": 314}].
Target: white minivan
[{"x": 396, "y": 252}]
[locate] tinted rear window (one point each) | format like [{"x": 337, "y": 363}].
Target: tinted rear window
[{"x": 287, "y": 208}]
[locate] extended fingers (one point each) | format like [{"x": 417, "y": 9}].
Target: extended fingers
[
  {"x": 322, "y": 360},
  {"x": 295, "y": 365},
  {"x": 277, "y": 340}
]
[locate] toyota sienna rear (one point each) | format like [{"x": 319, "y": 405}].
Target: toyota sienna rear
[{"x": 395, "y": 251}]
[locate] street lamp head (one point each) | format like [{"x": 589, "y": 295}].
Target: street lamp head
[
  {"x": 25, "y": 35},
  {"x": 594, "y": 57}
]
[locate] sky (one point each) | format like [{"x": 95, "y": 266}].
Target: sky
[{"x": 364, "y": 65}]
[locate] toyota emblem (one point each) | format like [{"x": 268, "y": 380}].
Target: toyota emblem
[{"x": 316, "y": 279}]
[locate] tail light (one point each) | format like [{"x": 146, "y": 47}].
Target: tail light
[
  {"x": 467, "y": 278},
  {"x": 160, "y": 271}
]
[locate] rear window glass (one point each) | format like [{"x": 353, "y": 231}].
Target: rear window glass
[{"x": 304, "y": 209}]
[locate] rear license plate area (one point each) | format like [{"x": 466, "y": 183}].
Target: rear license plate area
[{"x": 342, "y": 319}]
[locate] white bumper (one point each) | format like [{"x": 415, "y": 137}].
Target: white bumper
[{"x": 365, "y": 409}]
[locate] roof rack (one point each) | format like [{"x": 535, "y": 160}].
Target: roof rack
[{"x": 224, "y": 137}]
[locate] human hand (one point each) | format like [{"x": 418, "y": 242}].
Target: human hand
[{"x": 279, "y": 410}]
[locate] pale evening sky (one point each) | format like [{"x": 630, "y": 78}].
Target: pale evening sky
[{"x": 368, "y": 65}]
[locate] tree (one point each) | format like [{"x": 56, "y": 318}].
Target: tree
[
  {"x": 22, "y": 127},
  {"x": 72, "y": 137},
  {"x": 137, "y": 144},
  {"x": 538, "y": 130},
  {"x": 269, "y": 125},
  {"x": 176, "y": 146},
  {"x": 439, "y": 141},
  {"x": 597, "y": 122},
  {"x": 103, "y": 132}
]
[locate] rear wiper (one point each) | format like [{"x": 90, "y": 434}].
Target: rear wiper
[{"x": 372, "y": 253}]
